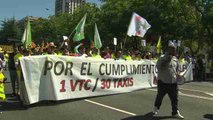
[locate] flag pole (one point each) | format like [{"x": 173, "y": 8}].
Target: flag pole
[
  {"x": 124, "y": 42},
  {"x": 135, "y": 40},
  {"x": 26, "y": 32},
  {"x": 74, "y": 30},
  {"x": 71, "y": 33}
]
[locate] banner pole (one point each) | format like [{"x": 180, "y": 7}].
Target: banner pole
[
  {"x": 124, "y": 42},
  {"x": 115, "y": 49},
  {"x": 135, "y": 40}
]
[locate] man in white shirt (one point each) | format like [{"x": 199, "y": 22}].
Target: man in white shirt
[{"x": 168, "y": 71}]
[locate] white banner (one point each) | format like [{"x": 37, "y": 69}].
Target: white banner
[
  {"x": 187, "y": 69},
  {"x": 62, "y": 77}
]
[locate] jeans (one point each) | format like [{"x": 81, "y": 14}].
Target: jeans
[{"x": 14, "y": 80}]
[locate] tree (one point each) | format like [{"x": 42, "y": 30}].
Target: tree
[
  {"x": 186, "y": 20},
  {"x": 10, "y": 29},
  {"x": 172, "y": 19},
  {"x": 205, "y": 9},
  {"x": 51, "y": 29}
]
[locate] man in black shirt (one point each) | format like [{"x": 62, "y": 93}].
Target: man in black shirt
[{"x": 13, "y": 73}]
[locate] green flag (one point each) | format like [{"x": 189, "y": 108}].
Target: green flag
[
  {"x": 97, "y": 39},
  {"x": 27, "y": 38},
  {"x": 79, "y": 30}
]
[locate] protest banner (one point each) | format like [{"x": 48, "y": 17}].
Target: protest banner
[{"x": 63, "y": 77}]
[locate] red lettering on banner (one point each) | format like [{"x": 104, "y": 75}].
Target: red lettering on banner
[
  {"x": 73, "y": 85},
  {"x": 120, "y": 84},
  {"x": 125, "y": 82},
  {"x": 105, "y": 84},
  {"x": 79, "y": 84},
  {"x": 131, "y": 82},
  {"x": 108, "y": 83},
  {"x": 115, "y": 80},
  {"x": 86, "y": 85},
  {"x": 102, "y": 84},
  {"x": 83, "y": 84},
  {"x": 62, "y": 86}
]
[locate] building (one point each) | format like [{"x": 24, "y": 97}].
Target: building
[
  {"x": 67, "y": 6},
  {"x": 31, "y": 19},
  {"x": 22, "y": 22}
]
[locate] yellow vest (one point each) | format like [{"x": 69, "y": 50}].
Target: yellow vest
[
  {"x": 96, "y": 56},
  {"x": 17, "y": 58},
  {"x": 182, "y": 60},
  {"x": 59, "y": 54},
  {"x": 2, "y": 94},
  {"x": 1, "y": 77},
  {"x": 112, "y": 55},
  {"x": 127, "y": 57},
  {"x": 155, "y": 59},
  {"x": 45, "y": 53},
  {"x": 138, "y": 58},
  {"x": 6, "y": 56}
]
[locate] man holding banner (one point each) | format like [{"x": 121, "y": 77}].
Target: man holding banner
[{"x": 168, "y": 72}]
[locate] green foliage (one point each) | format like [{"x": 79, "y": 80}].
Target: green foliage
[
  {"x": 188, "y": 20},
  {"x": 10, "y": 29}
]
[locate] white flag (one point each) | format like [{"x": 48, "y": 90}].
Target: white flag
[
  {"x": 138, "y": 26},
  {"x": 172, "y": 44},
  {"x": 24, "y": 36},
  {"x": 65, "y": 38}
]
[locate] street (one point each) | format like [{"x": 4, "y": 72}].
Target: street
[{"x": 195, "y": 103}]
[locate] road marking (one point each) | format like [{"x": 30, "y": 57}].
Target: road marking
[
  {"x": 211, "y": 94},
  {"x": 188, "y": 95},
  {"x": 194, "y": 90},
  {"x": 195, "y": 96},
  {"x": 205, "y": 92},
  {"x": 109, "y": 107}
]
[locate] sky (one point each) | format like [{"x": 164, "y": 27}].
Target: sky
[{"x": 22, "y": 8}]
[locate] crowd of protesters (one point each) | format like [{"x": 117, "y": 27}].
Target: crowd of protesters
[{"x": 50, "y": 48}]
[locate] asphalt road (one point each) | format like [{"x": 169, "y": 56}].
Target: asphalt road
[{"x": 195, "y": 103}]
